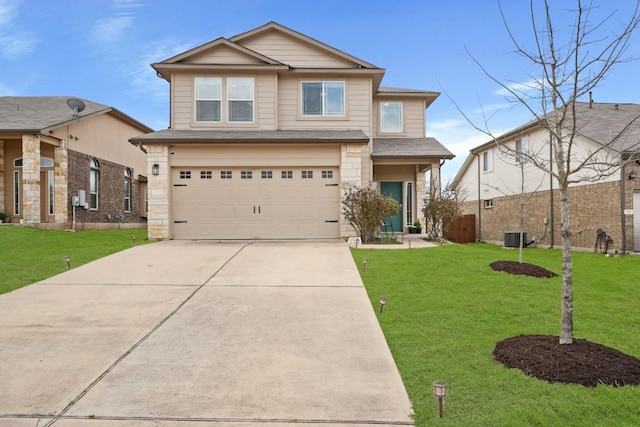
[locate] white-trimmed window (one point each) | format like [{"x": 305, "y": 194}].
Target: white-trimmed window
[
  {"x": 521, "y": 149},
  {"x": 487, "y": 161},
  {"x": 391, "y": 117},
  {"x": 286, "y": 174},
  {"x": 94, "y": 183},
  {"x": 185, "y": 174},
  {"x": 127, "y": 190},
  {"x": 409, "y": 203},
  {"x": 266, "y": 174},
  {"x": 327, "y": 174},
  {"x": 323, "y": 98},
  {"x": 16, "y": 191},
  {"x": 240, "y": 98},
  {"x": 488, "y": 203},
  {"x": 226, "y": 174},
  {"x": 51, "y": 191},
  {"x": 208, "y": 98},
  {"x": 307, "y": 174},
  {"x": 206, "y": 175},
  {"x": 246, "y": 175}
]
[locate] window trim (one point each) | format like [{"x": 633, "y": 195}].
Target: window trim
[
  {"x": 94, "y": 177},
  {"x": 127, "y": 190},
  {"x": 196, "y": 79},
  {"x": 230, "y": 100},
  {"x": 224, "y": 100},
  {"x": 487, "y": 161},
  {"x": 323, "y": 95},
  {"x": 521, "y": 151},
  {"x": 381, "y": 115},
  {"x": 487, "y": 203}
]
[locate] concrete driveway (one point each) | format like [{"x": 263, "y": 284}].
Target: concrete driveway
[{"x": 187, "y": 333}]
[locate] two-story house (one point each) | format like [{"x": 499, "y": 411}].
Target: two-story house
[
  {"x": 499, "y": 186},
  {"x": 269, "y": 128}
]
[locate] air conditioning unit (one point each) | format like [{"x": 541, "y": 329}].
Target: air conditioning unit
[{"x": 512, "y": 239}]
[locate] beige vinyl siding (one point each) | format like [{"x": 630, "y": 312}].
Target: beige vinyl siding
[
  {"x": 224, "y": 55},
  {"x": 229, "y": 155},
  {"x": 414, "y": 118},
  {"x": 295, "y": 53},
  {"x": 105, "y": 137},
  {"x": 264, "y": 103},
  {"x": 357, "y": 98}
]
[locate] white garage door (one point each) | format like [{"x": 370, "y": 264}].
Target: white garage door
[{"x": 255, "y": 203}]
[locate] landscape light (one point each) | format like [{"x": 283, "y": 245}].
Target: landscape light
[
  {"x": 440, "y": 391},
  {"x": 67, "y": 259},
  {"x": 383, "y": 301}
]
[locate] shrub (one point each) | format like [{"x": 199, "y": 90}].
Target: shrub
[{"x": 365, "y": 209}]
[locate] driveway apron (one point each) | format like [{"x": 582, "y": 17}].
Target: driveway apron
[{"x": 200, "y": 333}]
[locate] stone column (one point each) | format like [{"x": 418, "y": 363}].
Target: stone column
[
  {"x": 434, "y": 187},
  {"x": 421, "y": 194},
  {"x": 61, "y": 187},
  {"x": 3, "y": 208},
  {"x": 158, "y": 192},
  {"x": 31, "y": 179},
  {"x": 350, "y": 176}
]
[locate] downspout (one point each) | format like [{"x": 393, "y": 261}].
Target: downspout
[
  {"x": 623, "y": 224},
  {"x": 551, "y": 212},
  {"x": 479, "y": 203}
]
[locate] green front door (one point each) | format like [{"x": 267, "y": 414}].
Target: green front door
[{"x": 394, "y": 189}]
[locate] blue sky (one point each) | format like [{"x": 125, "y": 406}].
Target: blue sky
[{"x": 101, "y": 50}]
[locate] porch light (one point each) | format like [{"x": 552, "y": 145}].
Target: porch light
[
  {"x": 383, "y": 301},
  {"x": 155, "y": 169},
  {"x": 440, "y": 391}
]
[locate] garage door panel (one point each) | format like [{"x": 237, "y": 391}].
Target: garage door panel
[{"x": 260, "y": 207}]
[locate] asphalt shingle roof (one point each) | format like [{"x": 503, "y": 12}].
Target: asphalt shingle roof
[
  {"x": 214, "y": 136},
  {"x": 35, "y": 113},
  {"x": 409, "y": 147}
]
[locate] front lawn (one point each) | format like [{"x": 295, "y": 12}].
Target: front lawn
[
  {"x": 447, "y": 309},
  {"x": 29, "y": 255}
]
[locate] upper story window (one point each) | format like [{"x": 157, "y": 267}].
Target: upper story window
[
  {"x": 323, "y": 98},
  {"x": 487, "y": 161},
  {"x": 240, "y": 96},
  {"x": 521, "y": 149},
  {"x": 208, "y": 99},
  {"x": 391, "y": 117},
  {"x": 236, "y": 103}
]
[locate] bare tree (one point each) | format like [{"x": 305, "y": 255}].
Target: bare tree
[
  {"x": 569, "y": 68},
  {"x": 440, "y": 211}
]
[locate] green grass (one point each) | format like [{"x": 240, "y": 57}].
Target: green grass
[
  {"x": 447, "y": 309},
  {"x": 30, "y": 255}
]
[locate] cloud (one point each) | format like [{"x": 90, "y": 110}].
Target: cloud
[
  {"x": 519, "y": 88},
  {"x": 111, "y": 29},
  {"x": 13, "y": 40}
]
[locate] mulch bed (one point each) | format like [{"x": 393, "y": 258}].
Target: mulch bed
[
  {"x": 583, "y": 362},
  {"x": 514, "y": 267}
]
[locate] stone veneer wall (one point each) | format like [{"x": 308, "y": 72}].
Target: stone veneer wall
[
  {"x": 591, "y": 207},
  {"x": 158, "y": 192},
  {"x": 31, "y": 179},
  {"x": 111, "y": 191},
  {"x": 350, "y": 176},
  {"x": 3, "y": 208}
]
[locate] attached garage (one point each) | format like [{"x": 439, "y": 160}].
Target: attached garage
[{"x": 255, "y": 202}]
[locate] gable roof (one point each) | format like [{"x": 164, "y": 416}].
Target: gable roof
[
  {"x": 38, "y": 114},
  {"x": 598, "y": 122},
  {"x": 274, "y": 26}
]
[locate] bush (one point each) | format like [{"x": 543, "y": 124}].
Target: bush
[{"x": 365, "y": 209}]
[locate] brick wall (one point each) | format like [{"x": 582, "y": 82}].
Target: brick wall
[
  {"x": 591, "y": 207},
  {"x": 111, "y": 191}
]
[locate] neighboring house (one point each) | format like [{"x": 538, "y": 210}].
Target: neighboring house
[
  {"x": 268, "y": 129},
  {"x": 493, "y": 180},
  {"x": 50, "y": 151}
]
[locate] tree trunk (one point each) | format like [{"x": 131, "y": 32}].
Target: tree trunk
[{"x": 566, "y": 332}]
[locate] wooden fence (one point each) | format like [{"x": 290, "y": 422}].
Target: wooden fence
[{"x": 462, "y": 230}]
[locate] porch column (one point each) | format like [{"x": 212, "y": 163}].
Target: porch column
[
  {"x": 31, "y": 179},
  {"x": 3, "y": 208},
  {"x": 421, "y": 194},
  {"x": 60, "y": 185},
  {"x": 158, "y": 192},
  {"x": 350, "y": 176},
  {"x": 434, "y": 188}
]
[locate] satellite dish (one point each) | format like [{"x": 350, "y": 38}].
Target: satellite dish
[{"x": 77, "y": 105}]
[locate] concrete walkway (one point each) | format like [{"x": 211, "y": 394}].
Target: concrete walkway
[{"x": 185, "y": 333}]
